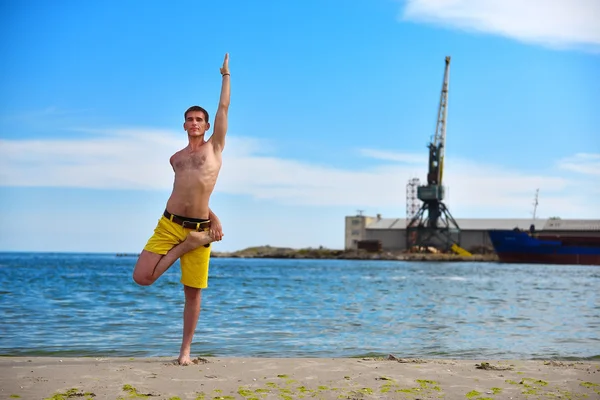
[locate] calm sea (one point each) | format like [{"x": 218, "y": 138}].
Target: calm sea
[{"x": 87, "y": 305}]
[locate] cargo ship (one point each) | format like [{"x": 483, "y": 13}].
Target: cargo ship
[{"x": 518, "y": 246}]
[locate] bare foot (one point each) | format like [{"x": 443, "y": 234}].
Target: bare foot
[
  {"x": 184, "y": 359},
  {"x": 197, "y": 239}
]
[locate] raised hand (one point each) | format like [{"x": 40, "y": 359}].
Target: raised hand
[{"x": 225, "y": 67}]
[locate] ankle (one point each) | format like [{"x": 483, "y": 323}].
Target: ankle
[{"x": 197, "y": 239}]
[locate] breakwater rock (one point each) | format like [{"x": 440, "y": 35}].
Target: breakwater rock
[{"x": 323, "y": 253}]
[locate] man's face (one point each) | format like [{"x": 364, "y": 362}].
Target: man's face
[{"x": 194, "y": 124}]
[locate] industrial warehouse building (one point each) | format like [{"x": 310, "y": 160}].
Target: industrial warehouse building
[{"x": 391, "y": 232}]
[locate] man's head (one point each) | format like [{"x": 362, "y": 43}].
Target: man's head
[
  {"x": 196, "y": 121},
  {"x": 196, "y": 108}
]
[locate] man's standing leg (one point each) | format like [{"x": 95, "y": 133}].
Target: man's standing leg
[
  {"x": 191, "y": 313},
  {"x": 194, "y": 278}
]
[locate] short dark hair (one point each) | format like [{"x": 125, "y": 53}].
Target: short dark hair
[{"x": 196, "y": 108}]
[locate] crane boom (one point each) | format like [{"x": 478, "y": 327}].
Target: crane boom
[
  {"x": 439, "y": 140},
  {"x": 435, "y": 189}
]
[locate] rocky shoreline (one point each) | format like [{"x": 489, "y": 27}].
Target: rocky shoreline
[
  {"x": 330, "y": 254},
  {"x": 322, "y": 253}
]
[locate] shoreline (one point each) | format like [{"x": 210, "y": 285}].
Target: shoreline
[
  {"x": 333, "y": 254},
  {"x": 329, "y": 254},
  {"x": 291, "y": 378},
  {"x": 352, "y": 255}
]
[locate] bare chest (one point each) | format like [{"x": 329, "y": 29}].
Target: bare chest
[
  {"x": 189, "y": 161},
  {"x": 194, "y": 161}
]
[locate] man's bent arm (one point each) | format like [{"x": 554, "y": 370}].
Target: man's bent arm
[
  {"x": 212, "y": 216},
  {"x": 216, "y": 229},
  {"x": 218, "y": 137}
]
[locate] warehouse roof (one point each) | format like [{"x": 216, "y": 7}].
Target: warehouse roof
[
  {"x": 387, "y": 223},
  {"x": 573, "y": 224},
  {"x": 498, "y": 223}
]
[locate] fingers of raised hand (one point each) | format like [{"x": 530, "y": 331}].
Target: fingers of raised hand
[{"x": 225, "y": 68}]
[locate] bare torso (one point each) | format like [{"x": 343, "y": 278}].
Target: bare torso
[{"x": 196, "y": 173}]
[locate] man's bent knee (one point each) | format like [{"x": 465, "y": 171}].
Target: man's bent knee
[
  {"x": 143, "y": 279},
  {"x": 144, "y": 268}
]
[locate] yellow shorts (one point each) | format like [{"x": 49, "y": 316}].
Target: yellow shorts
[{"x": 194, "y": 264}]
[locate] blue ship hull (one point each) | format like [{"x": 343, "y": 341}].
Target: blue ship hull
[{"x": 513, "y": 246}]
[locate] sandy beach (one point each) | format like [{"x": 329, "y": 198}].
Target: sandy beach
[{"x": 295, "y": 378}]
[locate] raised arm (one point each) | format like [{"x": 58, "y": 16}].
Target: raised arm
[{"x": 218, "y": 137}]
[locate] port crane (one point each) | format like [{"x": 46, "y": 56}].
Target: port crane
[{"x": 433, "y": 225}]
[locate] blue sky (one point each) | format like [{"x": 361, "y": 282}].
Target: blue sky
[{"x": 333, "y": 104}]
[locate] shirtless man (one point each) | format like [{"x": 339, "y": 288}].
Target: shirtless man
[{"x": 188, "y": 226}]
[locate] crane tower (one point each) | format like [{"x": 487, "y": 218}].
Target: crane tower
[{"x": 433, "y": 225}]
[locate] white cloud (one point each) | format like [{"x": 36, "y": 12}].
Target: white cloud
[
  {"x": 583, "y": 163},
  {"x": 117, "y": 159},
  {"x": 139, "y": 159},
  {"x": 392, "y": 156},
  {"x": 555, "y": 23}
]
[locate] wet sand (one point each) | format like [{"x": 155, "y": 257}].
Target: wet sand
[{"x": 295, "y": 378}]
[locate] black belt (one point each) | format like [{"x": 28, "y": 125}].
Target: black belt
[{"x": 197, "y": 225}]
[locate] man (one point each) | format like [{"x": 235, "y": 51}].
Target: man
[{"x": 188, "y": 225}]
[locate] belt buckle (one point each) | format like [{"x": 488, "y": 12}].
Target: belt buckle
[{"x": 191, "y": 225}]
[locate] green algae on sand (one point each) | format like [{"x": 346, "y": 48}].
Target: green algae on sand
[{"x": 70, "y": 394}]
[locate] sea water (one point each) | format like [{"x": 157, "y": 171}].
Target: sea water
[{"x": 88, "y": 305}]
